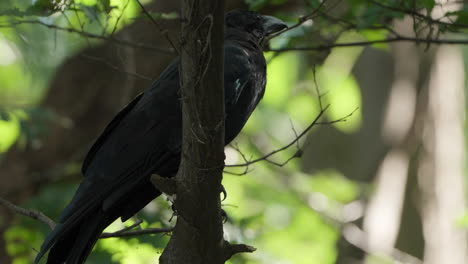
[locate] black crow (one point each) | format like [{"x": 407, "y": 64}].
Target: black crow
[{"x": 145, "y": 138}]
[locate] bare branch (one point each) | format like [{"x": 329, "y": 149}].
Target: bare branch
[
  {"x": 304, "y": 132},
  {"x": 164, "y": 184},
  {"x": 232, "y": 249},
  {"x": 317, "y": 89},
  {"x": 371, "y": 42},
  {"x": 163, "y": 31},
  {"x": 112, "y": 66},
  {"x": 125, "y": 232},
  {"x": 119, "y": 17},
  {"x": 342, "y": 119},
  {"x": 34, "y": 214},
  {"x": 415, "y": 15},
  {"x": 90, "y": 35},
  {"x": 146, "y": 231},
  {"x": 301, "y": 20}
]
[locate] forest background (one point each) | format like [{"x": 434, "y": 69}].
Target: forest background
[{"x": 377, "y": 87}]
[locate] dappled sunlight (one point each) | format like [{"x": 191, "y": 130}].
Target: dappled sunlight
[
  {"x": 9, "y": 132},
  {"x": 8, "y": 52},
  {"x": 339, "y": 87},
  {"x": 384, "y": 209},
  {"x": 379, "y": 178},
  {"x": 281, "y": 80},
  {"x": 400, "y": 111}
]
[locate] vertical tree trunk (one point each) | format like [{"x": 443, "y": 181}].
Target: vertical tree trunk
[
  {"x": 442, "y": 168},
  {"x": 198, "y": 235}
]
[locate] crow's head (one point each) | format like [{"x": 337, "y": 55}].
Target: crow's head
[{"x": 253, "y": 23}]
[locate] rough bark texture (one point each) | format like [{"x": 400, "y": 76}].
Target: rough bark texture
[{"x": 198, "y": 235}]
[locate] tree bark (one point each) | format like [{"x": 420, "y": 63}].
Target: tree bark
[{"x": 198, "y": 235}]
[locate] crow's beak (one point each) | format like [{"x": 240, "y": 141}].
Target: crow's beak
[{"x": 272, "y": 24}]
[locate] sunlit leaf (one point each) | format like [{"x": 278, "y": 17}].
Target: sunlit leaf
[
  {"x": 462, "y": 221},
  {"x": 345, "y": 100},
  {"x": 9, "y": 132},
  {"x": 334, "y": 185},
  {"x": 428, "y": 4},
  {"x": 280, "y": 79},
  {"x": 303, "y": 107},
  {"x": 373, "y": 35}
]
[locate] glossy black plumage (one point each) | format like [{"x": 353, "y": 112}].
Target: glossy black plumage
[{"x": 145, "y": 138}]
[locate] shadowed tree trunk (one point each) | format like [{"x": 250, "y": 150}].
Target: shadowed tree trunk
[{"x": 198, "y": 234}]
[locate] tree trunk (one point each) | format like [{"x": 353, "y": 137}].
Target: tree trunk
[{"x": 198, "y": 235}]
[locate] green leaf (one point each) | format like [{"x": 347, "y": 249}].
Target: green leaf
[
  {"x": 91, "y": 12},
  {"x": 461, "y": 16},
  {"x": 255, "y": 4},
  {"x": 12, "y": 12},
  {"x": 373, "y": 35},
  {"x": 428, "y": 4},
  {"x": 4, "y": 115},
  {"x": 106, "y": 5},
  {"x": 280, "y": 79},
  {"x": 42, "y": 8},
  {"x": 314, "y": 3},
  {"x": 335, "y": 186},
  {"x": 9, "y": 131}
]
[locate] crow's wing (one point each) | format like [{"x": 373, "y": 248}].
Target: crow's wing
[
  {"x": 109, "y": 128},
  {"x": 133, "y": 145},
  {"x": 244, "y": 86}
]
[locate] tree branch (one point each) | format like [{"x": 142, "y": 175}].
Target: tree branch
[
  {"x": 125, "y": 232},
  {"x": 163, "y": 31},
  {"x": 236, "y": 249},
  {"x": 304, "y": 132},
  {"x": 146, "y": 231},
  {"x": 90, "y": 35},
  {"x": 372, "y": 42},
  {"x": 34, "y": 214}
]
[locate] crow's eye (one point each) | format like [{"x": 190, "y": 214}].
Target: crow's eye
[
  {"x": 255, "y": 30},
  {"x": 257, "y": 33}
]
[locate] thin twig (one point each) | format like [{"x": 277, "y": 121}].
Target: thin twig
[
  {"x": 317, "y": 90},
  {"x": 112, "y": 66},
  {"x": 34, "y": 214},
  {"x": 416, "y": 14},
  {"x": 367, "y": 43},
  {"x": 342, "y": 119},
  {"x": 146, "y": 231},
  {"x": 125, "y": 232},
  {"x": 163, "y": 31},
  {"x": 119, "y": 18},
  {"x": 91, "y": 35},
  {"x": 304, "y": 132},
  {"x": 301, "y": 20}
]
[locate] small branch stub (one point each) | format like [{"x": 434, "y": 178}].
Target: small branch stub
[
  {"x": 165, "y": 185},
  {"x": 231, "y": 249}
]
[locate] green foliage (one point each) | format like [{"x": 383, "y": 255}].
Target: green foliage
[
  {"x": 271, "y": 208},
  {"x": 461, "y": 16},
  {"x": 9, "y": 130},
  {"x": 280, "y": 80},
  {"x": 257, "y": 4}
]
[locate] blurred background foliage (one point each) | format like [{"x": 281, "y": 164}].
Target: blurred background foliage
[{"x": 58, "y": 72}]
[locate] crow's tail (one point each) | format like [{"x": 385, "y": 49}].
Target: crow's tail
[
  {"x": 72, "y": 246},
  {"x": 83, "y": 221}
]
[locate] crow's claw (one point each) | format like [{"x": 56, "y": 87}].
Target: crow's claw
[
  {"x": 224, "y": 216},
  {"x": 223, "y": 191}
]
